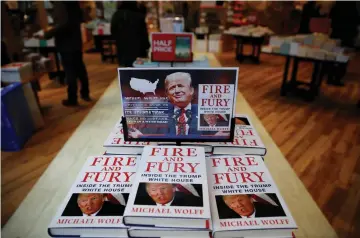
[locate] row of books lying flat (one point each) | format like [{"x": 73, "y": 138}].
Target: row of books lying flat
[
  {"x": 315, "y": 46},
  {"x": 249, "y": 30},
  {"x": 173, "y": 191},
  {"x": 246, "y": 141}
]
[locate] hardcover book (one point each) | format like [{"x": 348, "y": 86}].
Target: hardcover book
[
  {"x": 246, "y": 140},
  {"x": 116, "y": 144},
  {"x": 96, "y": 201},
  {"x": 170, "y": 189},
  {"x": 167, "y": 232},
  {"x": 207, "y": 146},
  {"x": 245, "y": 201}
]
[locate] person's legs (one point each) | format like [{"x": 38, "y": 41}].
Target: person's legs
[
  {"x": 68, "y": 63},
  {"x": 83, "y": 77}
]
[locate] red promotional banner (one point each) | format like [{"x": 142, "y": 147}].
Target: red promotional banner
[{"x": 171, "y": 47}]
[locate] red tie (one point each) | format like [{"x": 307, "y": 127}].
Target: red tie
[{"x": 181, "y": 123}]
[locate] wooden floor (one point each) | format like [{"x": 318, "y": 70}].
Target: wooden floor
[
  {"x": 21, "y": 170},
  {"x": 321, "y": 140}
]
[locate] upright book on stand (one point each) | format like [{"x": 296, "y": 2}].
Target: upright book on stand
[
  {"x": 178, "y": 104},
  {"x": 170, "y": 189},
  {"x": 95, "y": 204},
  {"x": 245, "y": 201}
]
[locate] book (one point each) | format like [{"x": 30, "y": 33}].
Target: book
[
  {"x": 95, "y": 204},
  {"x": 167, "y": 232},
  {"x": 170, "y": 189},
  {"x": 246, "y": 140},
  {"x": 116, "y": 144},
  {"x": 207, "y": 147},
  {"x": 16, "y": 72},
  {"x": 245, "y": 201}
]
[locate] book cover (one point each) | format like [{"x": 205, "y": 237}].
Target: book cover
[
  {"x": 245, "y": 199},
  {"x": 171, "y": 47},
  {"x": 246, "y": 140},
  {"x": 178, "y": 104},
  {"x": 207, "y": 146},
  {"x": 96, "y": 201},
  {"x": 170, "y": 189},
  {"x": 116, "y": 144}
]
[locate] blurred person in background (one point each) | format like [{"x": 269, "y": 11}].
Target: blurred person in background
[
  {"x": 66, "y": 31},
  {"x": 129, "y": 30}
]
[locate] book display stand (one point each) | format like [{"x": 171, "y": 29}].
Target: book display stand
[
  {"x": 174, "y": 139},
  {"x": 178, "y": 104}
]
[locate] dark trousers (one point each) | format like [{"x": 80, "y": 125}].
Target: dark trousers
[{"x": 75, "y": 69}]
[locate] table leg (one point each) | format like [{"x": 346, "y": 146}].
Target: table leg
[
  {"x": 237, "y": 49},
  {"x": 294, "y": 73},
  {"x": 285, "y": 76},
  {"x": 242, "y": 51},
  {"x": 322, "y": 72},
  {"x": 313, "y": 84},
  {"x": 255, "y": 53}
]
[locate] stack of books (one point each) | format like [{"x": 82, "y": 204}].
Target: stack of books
[
  {"x": 249, "y": 30},
  {"x": 176, "y": 191},
  {"x": 246, "y": 141},
  {"x": 315, "y": 46}
]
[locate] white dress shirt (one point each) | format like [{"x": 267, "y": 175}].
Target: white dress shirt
[
  {"x": 188, "y": 107},
  {"x": 251, "y": 216},
  {"x": 92, "y": 215},
  {"x": 166, "y": 204}
]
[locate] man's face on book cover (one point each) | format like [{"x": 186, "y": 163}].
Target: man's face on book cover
[
  {"x": 179, "y": 91},
  {"x": 90, "y": 203},
  {"x": 241, "y": 204},
  {"x": 211, "y": 119},
  {"x": 161, "y": 193}
]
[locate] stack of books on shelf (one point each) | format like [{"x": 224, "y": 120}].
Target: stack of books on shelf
[
  {"x": 176, "y": 191},
  {"x": 249, "y": 30},
  {"x": 316, "y": 46}
]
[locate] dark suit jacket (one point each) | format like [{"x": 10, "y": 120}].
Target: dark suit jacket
[
  {"x": 193, "y": 123},
  {"x": 66, "y": 29},
  {"x": 262, "y": 210},
  {"x": 108, "y": 209},
  {"x": 180, "y": 199},
  {"x": 171, "y": 129}
]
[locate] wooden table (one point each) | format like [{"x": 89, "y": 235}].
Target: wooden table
[
  {"x": 36, "y": 211},
  {"x": 334, "y": 69},
  {"x": 255, "y": 43}
]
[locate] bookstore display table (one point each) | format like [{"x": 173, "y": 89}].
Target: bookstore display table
[
  {"x": 320, "y": 68},
  {"x": 255, "y": 43},
  {"x": 36, "y": 211}
]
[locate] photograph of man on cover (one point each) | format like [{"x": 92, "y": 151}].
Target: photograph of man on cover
[
  {"x": 168, "y": 194},
  {"x": 182, "y": 114},
  {"x": 96, "y": 204},
  {"x": 248, "y": 206},
  {"x": 214, "y": 120}
]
